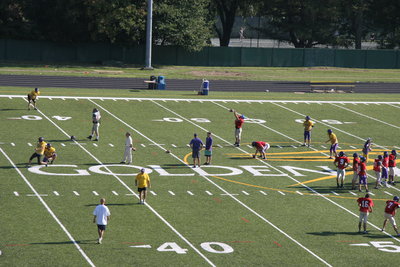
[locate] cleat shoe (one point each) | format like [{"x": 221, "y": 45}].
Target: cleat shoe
[
  {"x": 89, "y": 137},
  {"x": 96, "y": 139},
  {"x": 122, "y": 162}
]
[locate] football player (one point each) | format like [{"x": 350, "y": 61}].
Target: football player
[
  {"x": 341, "y": 162},
  {"x": 49, "y": 154},
  {"x": 32, "y": 97},
  {"x": 334, "y": 143}
]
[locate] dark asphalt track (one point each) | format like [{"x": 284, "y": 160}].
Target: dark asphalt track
[{"x": 31, "y": 81}]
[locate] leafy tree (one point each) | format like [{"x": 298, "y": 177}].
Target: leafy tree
[
  {"x": 227, "y": 11},
  {"x": 13, "y": 20}
]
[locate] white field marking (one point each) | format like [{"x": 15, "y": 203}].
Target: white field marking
[
  {"x": 290, "y": 177},
  {"x": 249, "y": 146},
  {"x": 229, "y": 194},
  {"x": 279, "y": 146},
  {"x": 219, "y": 187},
  {"x": 353, "y": 147},
  {"x": 16, "y": 193},
  {"x": 114, "y": 99},
  {"x": 281, "y": 193},
  {"x": 219, "y": 146},
  {"x": 143, "y": 145},
  {"x": 262, "y": 192},
  {"x": 127, "y": 100},
  {"x": 323, "y": 146},
  {"x": 95, "y": 193},
  {"x": 12, "y": 144},
  {"x": 333, "y": 192},
  {"x": 10, "y": 97},
  {"x": 397, "y": 147},
  {"x": 394, "y": 106},
  {"x": 386, "y": 192},
  {"x": 115, "y": 193},
  {"x": 172, "y": 193},
  {"x": 140, "y": 99},
  {"x": 130, "y": 195},
  {"x": 354, "y": 194},
  {"x": 76, "y": 99},
  {"x": 372, "y": 194},
  {"x": 190, "y": 193},
  {"x": 94, "y": 144},
  {"x": 34, "y": 195},
  {"x": 173, "y": 145},
  {"x": 63, "y": 98},
  {"x": 62, "y": 144},
  {"x": 209, "y": 193},
  {"x": 48, "y": 209},
  {"x": 76, "y": 193},
  {"x": 50, "y": 98},
  {"x": 29, "y": 144},
  {"x": 125, "y": 185},
  {"x": 366, "y": 116},
  {"x": 187, "y": 145},
  {"x": 300, "y": 193},
  {"x": 111, "y": 145},
  {"x": 293, "y": 146},
  {"x": 56, "y": 193},
  {"x": 153, "y": 193},
  {"x": 244, "y": 192},
  {"x": 141, "y": 246}
]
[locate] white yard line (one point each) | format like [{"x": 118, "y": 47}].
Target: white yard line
[{"x": 88, "y": 260}]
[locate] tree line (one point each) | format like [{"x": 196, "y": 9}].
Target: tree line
[{"x": 191, "y": 23}]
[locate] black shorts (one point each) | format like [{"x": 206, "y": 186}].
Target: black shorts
[
  {"x": 30, "y": 98},
  {"x": 140, "y": 189},
  {"x": 101, "y": 227},
  {"x": 36, "y": 155}
]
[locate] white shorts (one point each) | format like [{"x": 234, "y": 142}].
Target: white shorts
[
  {"x": 391, "y": 171},
  {"x": 364, "y": 216},
  {"x": 390, "y": 218},
  {"x": 238, "y": 133},
  {"x": 355, "y": 177},
  {"x": 266, "y": 147},
  {"x": 95, "y": 128},
  {"x": 378, "y": 176},
  {"x": 341, "y": 173}
]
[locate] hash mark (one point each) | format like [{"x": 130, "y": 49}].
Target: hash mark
[
  {"x": 209, "y": 193},
  {"x": 172, "y": 193},
  {"x": 244, "y": 192},
  {"x": 190, "y": 193},
  {"x": 354, "y": 194},
  {"x": 62, "y": 144},
  {"x": 56, "y": 193},
  {"x": 95, "y": 193},
  {"x": 76, "y": 193},
  {"x": 388, "y": 193},
  {"x": 333, "y": 192},
  {"x": 262, "y": 192},
  {"x": 173, "y": 145},
  {"x": 115, "y": 193},
  {"x": 281, "y": 193},
  {"x": 111, "y": 145},
  {"x": 16, "y": 194},
  {"x": 300, "y": 193},
  {"x": 95, "y": 144},
  {"x": 153, "y": 193},
  {"x": 29, "y": 144}
]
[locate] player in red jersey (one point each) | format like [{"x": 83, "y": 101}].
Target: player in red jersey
[
  {"x": 356, "y": 162},
  {"x": 261, "y": 147},
  {"x": 238, "y": 126},
  {"x": 362, "y": 174},
  {"x": 390, "y": 212},
  {"x": 365, "y": 204},
  {"x": 392, "y": 166},
  {"x": 385, "y": 168},
  {"x": 341, "y": 162},
  {"x": 378, "y": 171}
]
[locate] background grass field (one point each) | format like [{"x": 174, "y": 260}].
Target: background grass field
[{"x": 265, "y": 219}]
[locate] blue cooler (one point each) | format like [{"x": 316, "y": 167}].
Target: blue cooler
[
  {"x": 161, "y": 83},
  {"x": 206, "y": 87}
]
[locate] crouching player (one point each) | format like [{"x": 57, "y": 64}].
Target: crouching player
[
  {"x": 341, "y": 162},
  {"x": 261, "y": 147},
  {"x": 49, "y": 154},
  {"x": 365, "y": 204},
  {"x": 39, "y": 150}
]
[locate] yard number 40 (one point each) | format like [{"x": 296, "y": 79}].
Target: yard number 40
[{"x": 207, "y": 246}]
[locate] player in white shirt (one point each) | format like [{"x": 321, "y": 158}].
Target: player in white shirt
[
  {"x": 101, "y": 217},
  {"x": 128, "y": 149},
  {"x": 96, "y": 124}
]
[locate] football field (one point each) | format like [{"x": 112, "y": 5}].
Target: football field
[{"x": 238, "y": 211}]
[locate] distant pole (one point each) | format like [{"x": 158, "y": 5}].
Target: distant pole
[{"x": 149, "y": 33}]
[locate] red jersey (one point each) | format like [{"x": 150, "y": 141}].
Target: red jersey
[
  {"x": 260, "y": 144},
  {"x": 385, "y": 162},
  {"x": 342, "y": 162},
  {"x": 391, "y": 207},
  {"x": 377, "y": 165},
  {"x": 238, "y": 123},
  {"x": 356, "y": 162},
  {"x": 392, "y": 160},
  {"x": 365, "y": 204},
  {"x": 362, "y": 169}
]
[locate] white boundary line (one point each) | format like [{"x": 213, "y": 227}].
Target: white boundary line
[
  {"x": 48, "y": 209},
  {"x": 130, "y": 190},
  {"x": 201, "y": 100},
  {"x": 272, "y": 167},
  {"x": 212, "y": 182}
]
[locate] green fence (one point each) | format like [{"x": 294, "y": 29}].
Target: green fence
[{"x": 38, "y": 51}]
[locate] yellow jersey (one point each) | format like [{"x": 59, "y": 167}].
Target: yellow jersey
[
  {"x": 143, "y": 180},
  {"x": 308, "y": 125},
  {"x": 48, "y": 152},
  {"x": 40, "y": 147},
  {"x": 333, "y": 138},
  {"x": 34, "y": 94}
]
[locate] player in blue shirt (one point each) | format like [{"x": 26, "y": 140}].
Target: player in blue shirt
[{"x": 196, "y": 144}]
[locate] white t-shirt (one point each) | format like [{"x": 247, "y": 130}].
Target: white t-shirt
[
  {"x": 96, "y": 116},
  {"x": 128, "y": 141},
  {"x": 101, "y": 212}
]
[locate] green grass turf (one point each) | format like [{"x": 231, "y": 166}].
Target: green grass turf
[
  {"x": 322, "y": 224},
  {"x": 212, "y": 73}
]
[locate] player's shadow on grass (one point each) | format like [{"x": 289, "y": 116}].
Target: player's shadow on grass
[
  {"x": 355, "y": 233},
  {"x": 174, "y": 166},
  {"x": 323, "y": 189},
  {"x": 11, "y": 109},
  {"x": 66, "y": 242},
  {"x": 115, "y": 204}
]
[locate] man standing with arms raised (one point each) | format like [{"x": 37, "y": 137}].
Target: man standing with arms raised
[{"x": 101, "y": 217}]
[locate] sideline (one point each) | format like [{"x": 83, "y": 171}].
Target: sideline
[{"x": 48, "y": 209}]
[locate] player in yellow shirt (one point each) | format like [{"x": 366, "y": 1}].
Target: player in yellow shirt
[
  {"x": 49, "y": 154},
  {"x": 32, "y": 97},
  {"x": 142, "y": 182},
  {"x": 334, "y": 143},
  {"x": 39, "y": 150},
  {"x": 308, "y": 125}
]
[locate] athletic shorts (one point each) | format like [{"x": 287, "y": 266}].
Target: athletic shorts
[
  {"x": 36, "y": 155},
  {"x": 363, "y": 179},
  {"x": 307, "y": 135},
  {"x": 30, "y": 99},
  {"x": 238, "y": 133},
  {"x": 390, "y": 218},
  {"x": 378, "y": 176},
  {"x": 195, "y": 154},
  {"x": 101, "y": 227},
  {"x": 391, "y": 171},
  {"x": 140, "y": 189},
  {"x": 364, "y": 216},
  {"x": 341, "y": 173},
  {"x": 355, "y": 176},
  {"x": 46, "y": 159},
  {"x": 208, "y": 153},
  {"x": 384, "y": 173},
  {"x": 334, "y": 147},
  {"x": 265, "y": 148}
]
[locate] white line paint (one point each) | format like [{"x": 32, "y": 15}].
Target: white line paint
[
  {"x": 354, "y": 194},
  {"x": 12, "y": 144},
  {"x": 62, "y": 144},
  {"x": 111, "y": 145},
  {"x": 76, "y": 193},
  {"x": 89, "y": 261},
  {"x": 16, "y": 193},
  {"x": 56, "y": 193},
  {"x": 95, "y": 193},
  {"x": 190, "y": 193},
  {"x": 143, "y": 145},
  {"x": 171, "y": 193},
  {"x": 372, "y": 194},
  {"x": 262, "y": 192},
  {"x": 209, "y": 193},
  {"x": 219, "y": 146},
  {"x": 115, "y": 193},
  {"x": 153, "y": 193},
  {"x": 353, "y": 147},
  {"x": 281, "y": 193},
  {"x": 173, "y": 145},
  {"x": 300, "y": 193},
  {"x": 386, "y": 192},
  {"x": 29, "y": 144},
  {"x": 94, "y": 144},
  {"x": 333, "y": 192},
  {"x": 279, "y": 146},
  {"x": 249, "y": 146},
  {"x": 244, "y": 192},
  {"x": 36, "y": 195}
]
